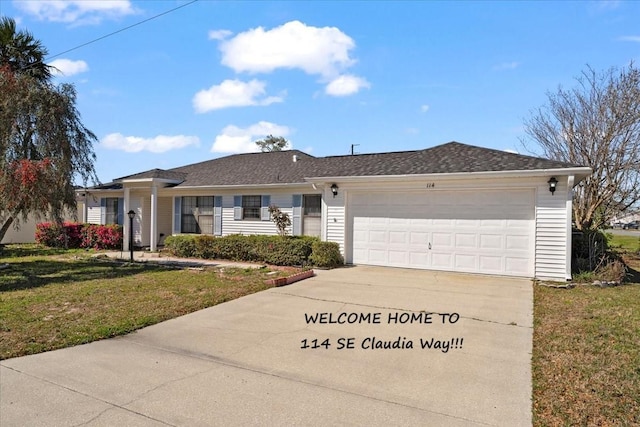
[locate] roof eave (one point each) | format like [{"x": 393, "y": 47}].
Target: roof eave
[
  {"x": 235, "y": 186},
  {"x": 579, "y": 172},
  {"x": 152, "y": 180}
]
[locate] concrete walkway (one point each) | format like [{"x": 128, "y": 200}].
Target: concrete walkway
[{"x": 258, "y": 361}]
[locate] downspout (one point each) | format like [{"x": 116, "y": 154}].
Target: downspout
[{"x": 569, "y": 207}]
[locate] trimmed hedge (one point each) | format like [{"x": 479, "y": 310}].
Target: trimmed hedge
[
  {"x": 73, "y": 235},
  {"x": 274, "y": 250},
  {"x": 326, "y": 254}
]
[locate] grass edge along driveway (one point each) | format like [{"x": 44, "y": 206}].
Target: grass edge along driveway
[{"x": 51, "y": 299}]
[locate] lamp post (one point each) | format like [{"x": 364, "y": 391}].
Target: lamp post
[{"x": 131, "y": 214}]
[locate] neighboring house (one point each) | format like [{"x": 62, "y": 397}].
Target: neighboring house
[
  {"x": 626, "y": 218},
  {"x": 25, "y": 232},
  {"x": 452, "y": 207}
]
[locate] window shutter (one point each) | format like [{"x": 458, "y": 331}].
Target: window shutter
[
  {"x": 217, "y": 215},
  {"x": 264, "y": 211},
  {"x": 177, "y": 215},
  {"x": 237, "y": 208},
  {"x": 120, "y": 210},
  {"x": 103, "y": 210},
  {"x": 296, "y": 220}
]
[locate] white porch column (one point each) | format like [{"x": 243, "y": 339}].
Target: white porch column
[
  {"x": 125, "y": 220},
  {"x": 154, "y": 218}
]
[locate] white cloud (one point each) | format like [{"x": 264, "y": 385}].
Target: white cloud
[
  {"x": 75, "y": 11},
  {"x": 629, "y": 39},
  {"x": 424, "y": 108},
  {"x": 219, "y": 34},
  {"x": 412, "y": 131},
  {"x": 346, "y": 85},
  {"x": 158, "y": 144},
  {"x": 242, "y": 140},
  {"x": 232, "y": 93},
  {"x": 67, "y": 67},
  {"x": 317, "y": 51},
  {"x": 507, "y": 66}
]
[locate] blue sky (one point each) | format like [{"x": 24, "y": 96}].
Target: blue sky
[{"x": 208, "y": 79}]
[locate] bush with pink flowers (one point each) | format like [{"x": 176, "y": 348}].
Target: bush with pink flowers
[{"x": 73, "y": 235}]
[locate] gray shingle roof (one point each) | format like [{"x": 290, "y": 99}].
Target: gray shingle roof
[
  {"x": 155, "y": 173},
  {"x": 275, "y": 167},
  {"x": 278, "y": 167},
  {"x": 446, "y": 158}
]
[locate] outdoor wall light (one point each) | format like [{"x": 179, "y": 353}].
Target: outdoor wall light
[
  {"x": 552, "y": 184},
  {"x": 334, "y": 189}
]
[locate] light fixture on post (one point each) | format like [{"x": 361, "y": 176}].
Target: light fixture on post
[
  {"x": 553, "y": 182},
  {"x": 131, "y": 214},
  {"x": 334, "y": 190}
]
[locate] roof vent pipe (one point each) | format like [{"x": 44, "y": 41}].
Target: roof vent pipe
[{"x": 295, "y": 158}]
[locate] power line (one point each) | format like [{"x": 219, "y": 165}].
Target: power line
[{"x": 121, "y": 30}]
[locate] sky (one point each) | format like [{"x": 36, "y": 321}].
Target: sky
[{"x": 200, "y": 80}]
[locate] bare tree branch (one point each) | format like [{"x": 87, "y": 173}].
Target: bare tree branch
[{"x": 595, "y": 124}]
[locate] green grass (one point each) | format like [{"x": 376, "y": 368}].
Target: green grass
[
  {"x": 52, "y": 299},
  {"x": 586, "y": 356},
  {"x": 624, "y": 243}
]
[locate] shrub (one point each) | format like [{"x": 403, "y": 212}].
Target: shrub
[
  {"x": 276, "y": 250},
  {"x": 73, "y": 235},
  {"x": 590, "y": 247},
  {"x": 181, "y": 246},
  {"x": 102, "y": 236},
  {"x": 286, "y": 250},
  {"x": 280, "y": 219},
  {"x": 326, "y": 254}
]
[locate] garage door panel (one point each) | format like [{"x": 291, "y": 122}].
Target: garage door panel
[
  {"x": 519, "y": 266},
  {"x": 419, "y": 238},
  {"x": 418, "y": 259},
  {"x": 398, "y": 237},
  {"x": 491, "y": 241},
  {"x": 466, "y": 240},
  {"x": 465, "y": 262},
  {"x": 378, "y": 256},
  {"x": 472, "y": 231},
  {"x": 377, "y": 236},
  {"x": 398, "y": 258},
  {"x": 441, "y": 261},
  {"x": 518, "y": 243},
  {"x": 491, "y": 264}
]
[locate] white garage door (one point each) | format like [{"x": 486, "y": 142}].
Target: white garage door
[{"x": 489, "y": 232}]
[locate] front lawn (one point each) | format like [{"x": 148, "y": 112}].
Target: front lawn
[
  {"x": 51, "y": 299},
  {"x": 586, "y": 354}
]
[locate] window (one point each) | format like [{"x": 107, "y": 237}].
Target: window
[
  {"x": 312, "y": 205},
  {"x": 251, "y": 207},
  {"x": 111, "y": 213},
  {"x": 197, "y": 215}
]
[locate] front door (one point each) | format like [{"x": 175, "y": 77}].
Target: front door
[{"x": 311, "y": 214}]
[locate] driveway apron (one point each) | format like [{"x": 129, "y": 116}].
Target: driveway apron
[{"x": 352, "y": 346}]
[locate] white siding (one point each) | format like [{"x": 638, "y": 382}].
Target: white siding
[
  {"x": 551, "y": 231},
  {"x": 335, "y": 220},
  {"x": 94, "y": 211},
  {"x": 231, "y": 226}
]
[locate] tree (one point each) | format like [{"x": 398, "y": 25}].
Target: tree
[
  {"x": 280, "y": 219},
  {"x": 595, "y": 124},
  {"x": 43, "y": 143},
  {"x": 272, "y": 143},
  {"x": 21, "y": 52}
]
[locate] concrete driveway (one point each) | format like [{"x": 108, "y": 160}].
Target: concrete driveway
[{"x": 241, "y": 363}]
